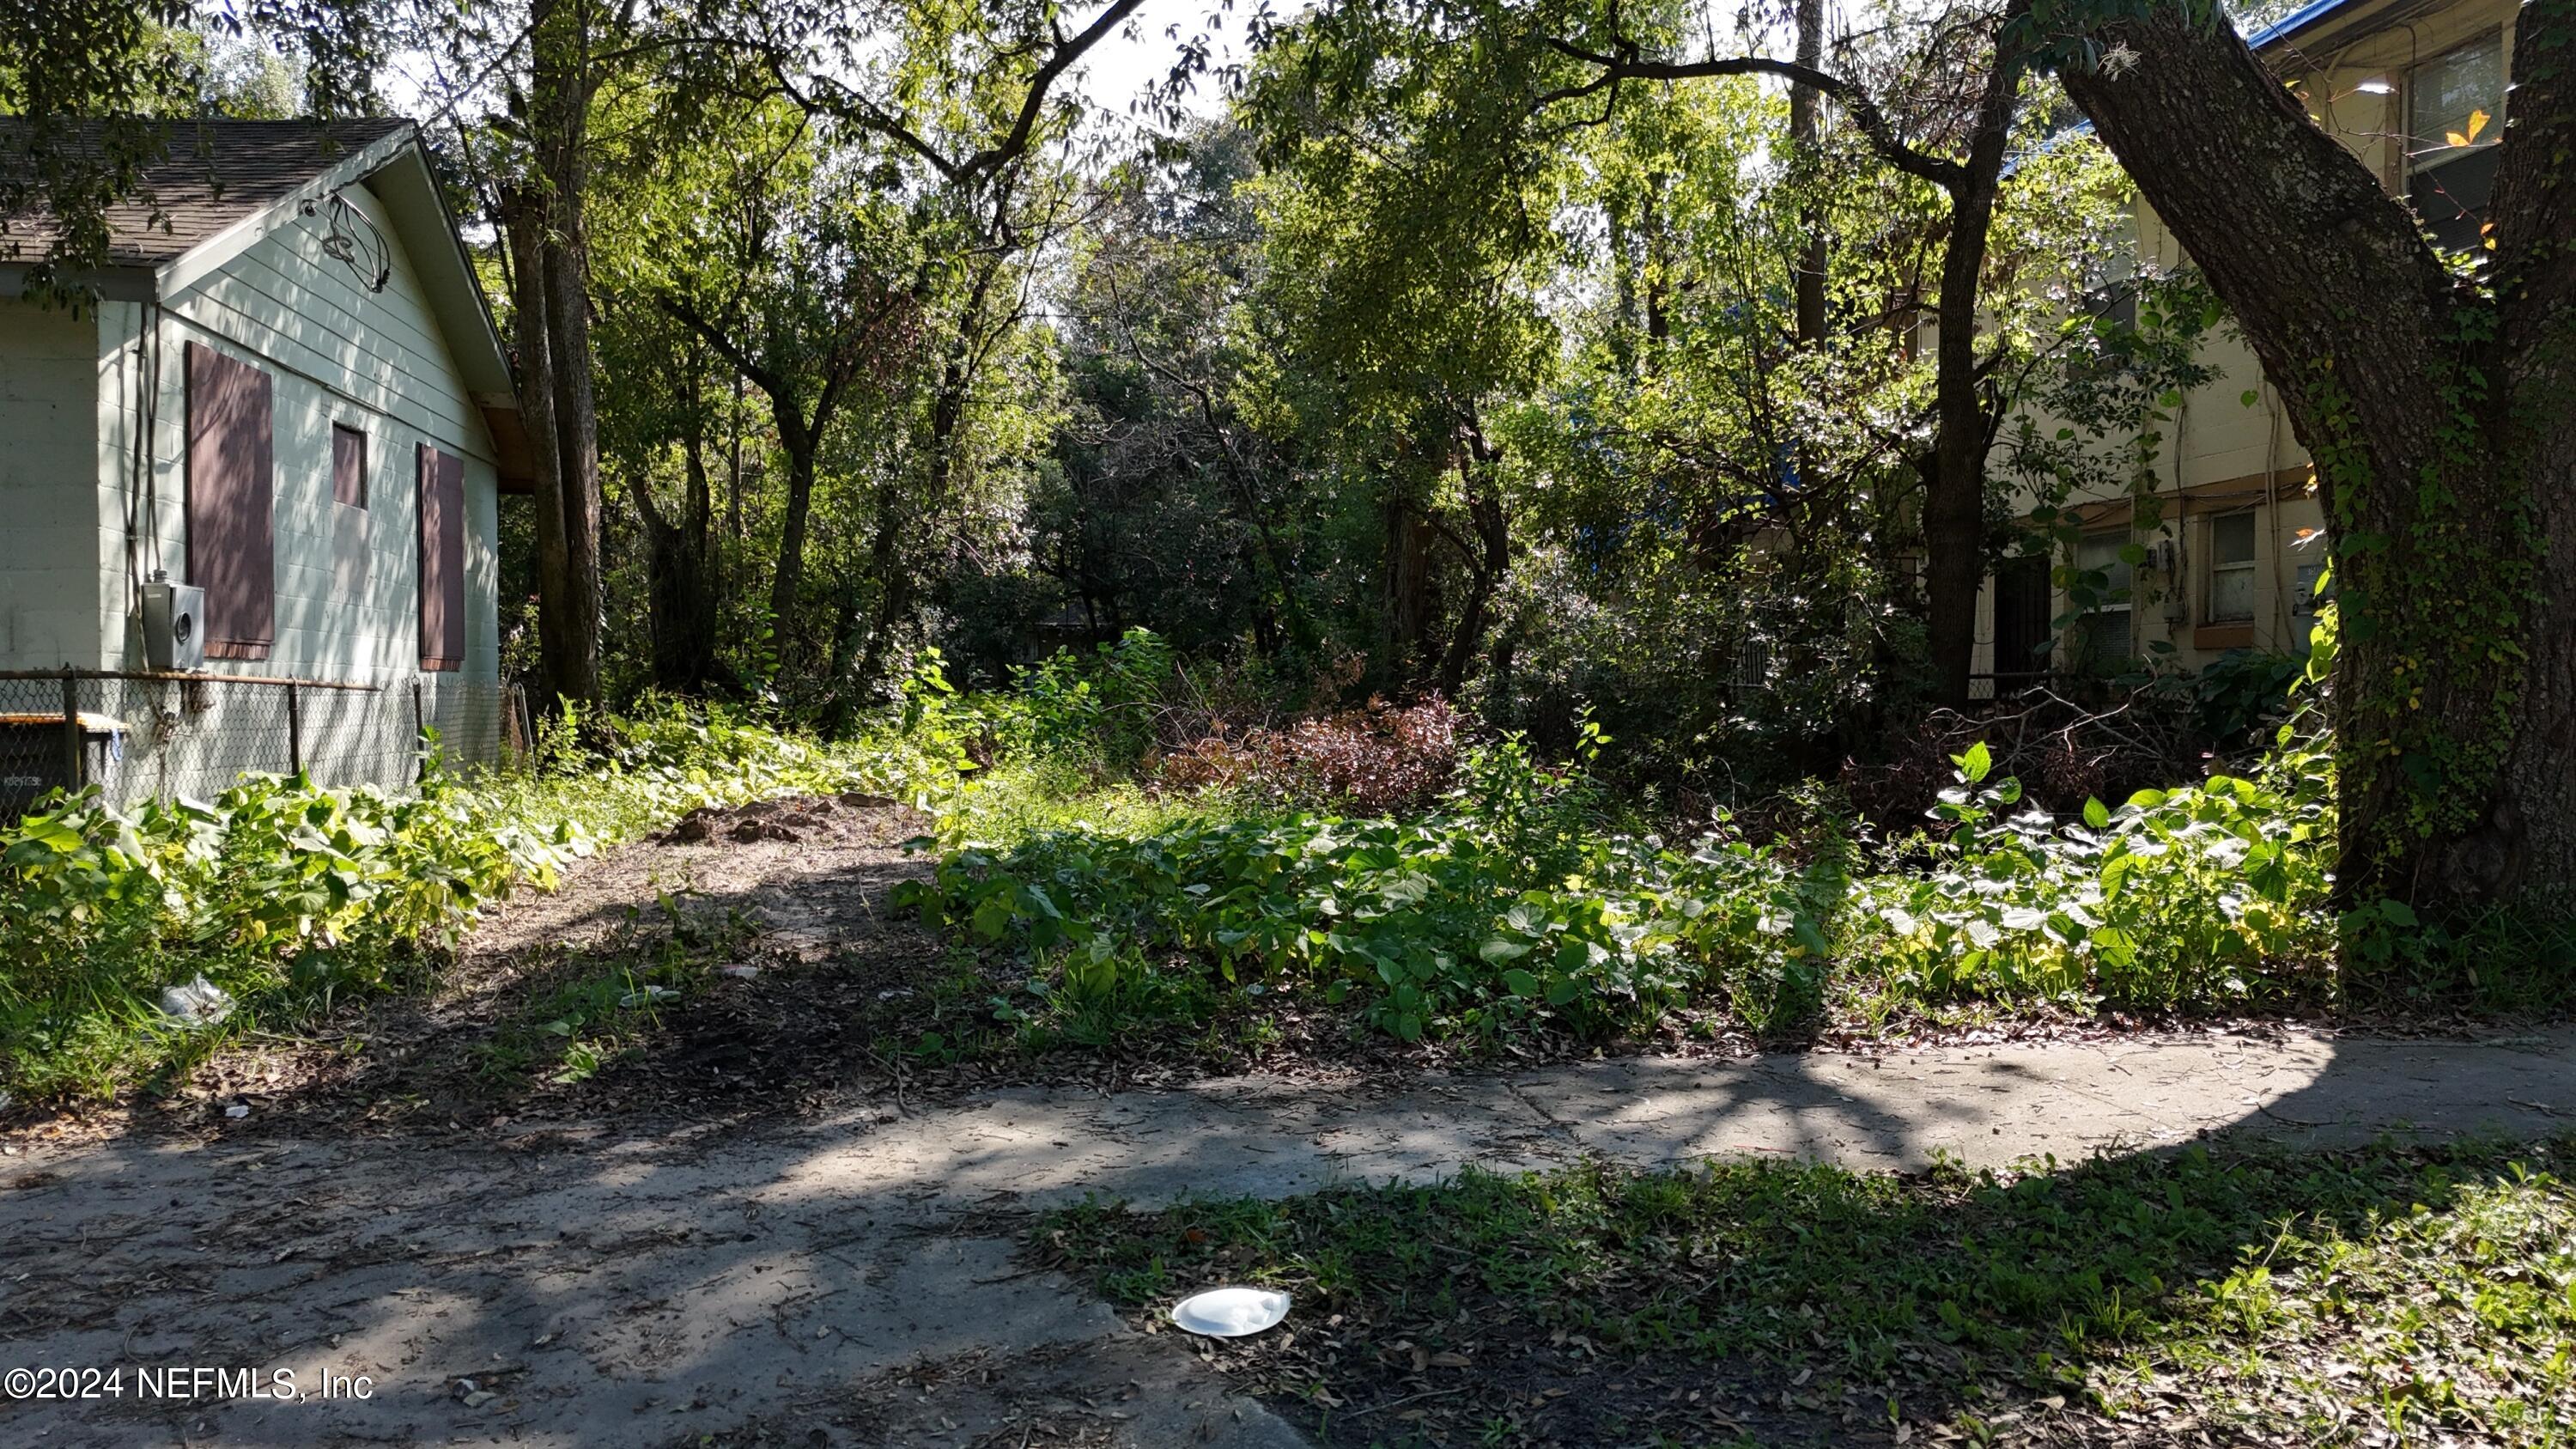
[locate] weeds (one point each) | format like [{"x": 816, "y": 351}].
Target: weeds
[
  {"x": 291, "y": 898},
  {"x": 1520, "y": 900},
  {"x": 2255, "y": 1296},
  {"x": 570, "y": 1032}
]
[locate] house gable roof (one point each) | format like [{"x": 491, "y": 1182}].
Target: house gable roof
[
  {"x": 215, "y": 175},
  {"x": 224, "y": 185}
]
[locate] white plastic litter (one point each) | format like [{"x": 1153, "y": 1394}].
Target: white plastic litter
[
  {"x": 1231, "y": 1312},
  {"x": 237, "y": 1111},
  {"x": 649, "y": 996},
  {"x": 196, "y": 1003}
]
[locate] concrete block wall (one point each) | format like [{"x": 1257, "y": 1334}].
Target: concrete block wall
[{"x": 55, "y": 543}]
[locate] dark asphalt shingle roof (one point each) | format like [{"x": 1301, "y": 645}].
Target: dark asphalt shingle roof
[{"x": 215, "y": 174}]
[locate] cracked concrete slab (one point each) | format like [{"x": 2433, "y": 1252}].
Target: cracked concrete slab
[{"x": 815, "y": 1279}]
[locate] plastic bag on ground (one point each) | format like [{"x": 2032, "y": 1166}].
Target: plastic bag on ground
[{"x": 196, "y": 1003}]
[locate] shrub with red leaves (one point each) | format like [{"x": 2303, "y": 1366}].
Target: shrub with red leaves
[{"x": 1374, "y": 761}]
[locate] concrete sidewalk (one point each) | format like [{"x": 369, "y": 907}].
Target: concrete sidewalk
[
  {"x": 1984, "y": 1105},
  {"x": 835, "y": 1279}
]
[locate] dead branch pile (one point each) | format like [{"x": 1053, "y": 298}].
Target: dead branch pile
[{"x": 2064, "y": 751}]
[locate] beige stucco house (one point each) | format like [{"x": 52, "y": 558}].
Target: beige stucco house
[
  {"x": 286, "y": 392},
  {"x": 2417, "y": 90}
]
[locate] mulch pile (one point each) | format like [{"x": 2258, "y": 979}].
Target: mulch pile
[{"x": 784, "y": 820}]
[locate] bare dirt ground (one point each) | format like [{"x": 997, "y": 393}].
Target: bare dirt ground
[
  {"x": 795, "y": 987},
  {"x": 767, "y": 1229}
]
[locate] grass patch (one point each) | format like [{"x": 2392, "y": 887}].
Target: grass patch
[
  {"x": 1020, "y": 800},
  {"x": 2367, "y": 1296}
]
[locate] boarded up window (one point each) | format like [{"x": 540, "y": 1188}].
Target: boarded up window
[
  {"x": 442, "y": 559},
  {"x": 348, "y": 466},
  {"x": 231, "y": 527}
]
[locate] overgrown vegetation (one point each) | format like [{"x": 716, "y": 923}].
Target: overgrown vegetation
[
  {"x": 286, "y": 898},
  {"x": 1528, "y": 895},
  {"x": 2385, "y": 1295}
]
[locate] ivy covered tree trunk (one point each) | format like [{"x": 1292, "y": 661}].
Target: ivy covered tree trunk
[{"x": 2442, "y": 418}]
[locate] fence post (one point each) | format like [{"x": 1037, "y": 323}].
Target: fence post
[
  {"x": 294, "y": 733},
  {"x": 419, "y": 737},
  {"x": 75, "y": 762}
]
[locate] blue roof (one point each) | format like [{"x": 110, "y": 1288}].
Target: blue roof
[
  {"x": 2312, "y": 13},
  {"x": 2296, "y": 21}
]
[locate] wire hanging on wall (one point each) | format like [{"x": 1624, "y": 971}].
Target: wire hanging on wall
[{"x": 353, "y": 239}]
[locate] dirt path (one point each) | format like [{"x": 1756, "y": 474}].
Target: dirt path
[{"x": 849, "y": 1278}]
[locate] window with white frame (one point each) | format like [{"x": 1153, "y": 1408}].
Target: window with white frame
[
  {"x": 2107, "y": 576},
  {"x": 2455, "y": 117},
  {"x": 2231, "y": 569}
]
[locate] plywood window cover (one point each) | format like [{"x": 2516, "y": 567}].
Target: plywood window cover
[
  {"x": 231, "y": 501},
  {"x": 442, "y": 560},
  {"x": 348, "y": 465}
]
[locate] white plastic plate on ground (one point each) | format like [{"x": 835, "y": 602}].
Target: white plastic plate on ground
[{"x": 1230, "y": 1312}]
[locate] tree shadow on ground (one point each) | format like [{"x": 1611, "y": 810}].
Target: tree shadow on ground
[
  {"x": 654, "y": 1286},
  {"x": 2232, "y": 1291}
]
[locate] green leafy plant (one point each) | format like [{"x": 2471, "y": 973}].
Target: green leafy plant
[
  {"x": 1100, "y": 708},
  {"x": 1519, "y": 900},
  {"x": 290, "y": 897}
]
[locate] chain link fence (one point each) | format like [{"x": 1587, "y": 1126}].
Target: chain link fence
[{"x": 141, "y": 736}]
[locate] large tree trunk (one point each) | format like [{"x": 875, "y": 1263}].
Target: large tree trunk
[
  {"x": 523, "y": 223},
  {"x": 680, "y": 567},
  {"x": 1406, "y": 610},
  {"x": 2443, "y": 425},
  {"x": 1954, "y": 500},
  {"x": 555, "y": 359},
  {"x": 1806, "y": 110},
  {"x": 787, "y": 584}
]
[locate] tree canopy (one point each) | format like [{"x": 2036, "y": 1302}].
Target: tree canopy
[{"x": 1558, "y": 357}]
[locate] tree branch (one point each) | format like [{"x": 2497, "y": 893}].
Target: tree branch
[
  {"x": 1630, "y": 64},
  {"x": 852, "y": 106},
  {"x": 782, "y": 399},
  {"x": 2250, "y": 186},
  {"x": 1066, "y": 53}
]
